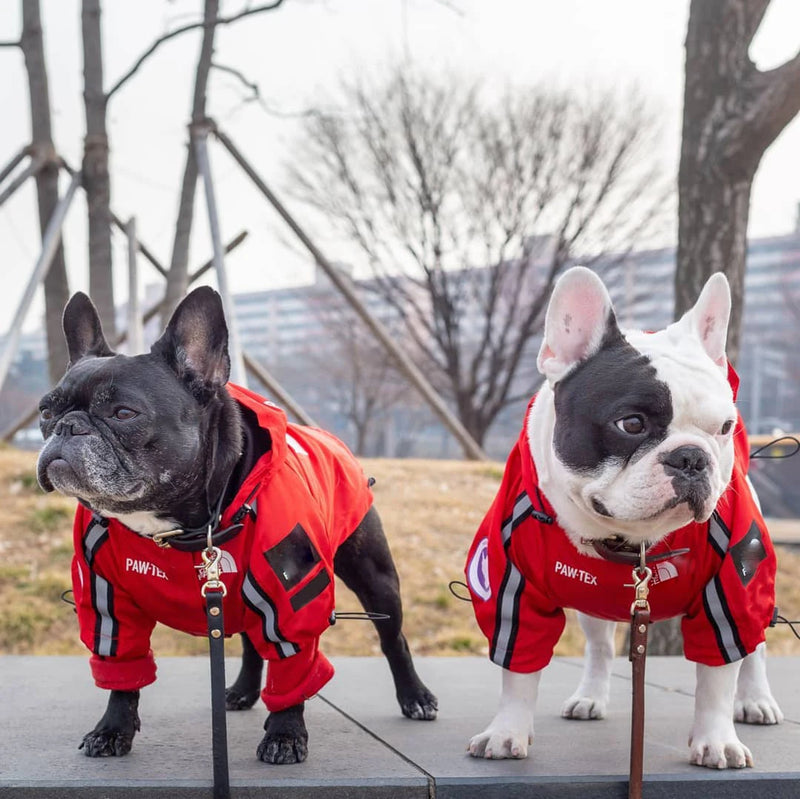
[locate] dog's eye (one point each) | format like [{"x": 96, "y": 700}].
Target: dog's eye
[
  {"x": 124, "y": 414},
  {"x": 726, "y": 428},
  {"x": 45, "y": 414},
  {"x": 632, "y": 425}
]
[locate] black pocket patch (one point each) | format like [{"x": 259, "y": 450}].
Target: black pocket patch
[
  {"x": 748, "y": 553},
  {"x": 311, "y": 590},
  {"x": 293, "y": 558}
]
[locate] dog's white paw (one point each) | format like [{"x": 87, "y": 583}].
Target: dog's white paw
[
  {"x": 757, "y": 710},
  {"x": 584, "y": 707},
  {"x": 719, "y": 752},
  {"x": 496, "y": 744}
]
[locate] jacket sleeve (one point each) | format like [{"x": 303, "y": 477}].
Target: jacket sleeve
[
  {"x": 521, "y": 624},
  {"x": 288, "y": 593},
  {"x": 727, "y": 622},
  {"x": 112, "y": 626}
]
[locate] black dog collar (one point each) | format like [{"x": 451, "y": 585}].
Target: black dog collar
[
  {"x": 194, "y": 539},
  {"x": 618, "y": 550}
]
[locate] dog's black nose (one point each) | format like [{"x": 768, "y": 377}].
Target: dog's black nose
[
  {"x": 71, "y": 425},
  {"x": 686, "y": 461}
]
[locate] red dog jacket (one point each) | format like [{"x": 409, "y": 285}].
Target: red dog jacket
[
  {"x": 308, "y": 494},
  {"x": 522, "y": 569}
]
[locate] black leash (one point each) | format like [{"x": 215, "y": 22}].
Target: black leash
[{"x": 213, "y": 591}]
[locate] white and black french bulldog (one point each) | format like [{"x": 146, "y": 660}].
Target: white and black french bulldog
[
  {"x": 157, "y": 448},
  {"x": 634, "y": 437}
]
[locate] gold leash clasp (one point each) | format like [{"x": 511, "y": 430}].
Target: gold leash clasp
[
  {"x": 212, "y": 558},
  {"x": 641, "y": 579}
]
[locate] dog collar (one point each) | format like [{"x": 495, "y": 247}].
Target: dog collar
[
  {"x": 618, "y": 550},
  {"x": 194, "y": 539}
]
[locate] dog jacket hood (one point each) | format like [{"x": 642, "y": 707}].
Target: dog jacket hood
[
  {"x": 308, "y": 494},
  {"x": 522, "y": 570}
]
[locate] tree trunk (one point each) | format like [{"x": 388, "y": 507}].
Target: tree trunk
[
  {"x": 712, "y": 238},
  {"x": 56, "y": 288},
  {"x": 732, "y": 113},
  {"x": 96, "y": 180},
  {"x": 178, "y": 276}
]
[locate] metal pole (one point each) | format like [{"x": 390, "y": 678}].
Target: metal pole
[
  {"x": 33, "y": 167},
  {"x": 135, "y": 330},
  {"x": 344, "y": 285},
  {"x": 12, "y": 164},
  {"x": 50, "y": 240},
  {"x": 142, "y": 249},
  {"x": 155, "y": 309},
  {"x": 277, "y": 391},
  {"x": 231, "y": 245},
  {"x": 199, "y": 137}
]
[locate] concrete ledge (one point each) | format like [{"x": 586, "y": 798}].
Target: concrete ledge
[{"x": 360, "y": 746}]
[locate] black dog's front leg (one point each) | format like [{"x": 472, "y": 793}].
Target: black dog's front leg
[
  {"x": 244, "y": 692},
  {"x": 113, "y": 735},
  {"x": 286, "y": 740}
]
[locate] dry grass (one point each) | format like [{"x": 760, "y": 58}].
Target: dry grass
[{"x": 430, "y": 510}]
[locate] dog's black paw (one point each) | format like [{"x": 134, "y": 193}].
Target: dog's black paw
[
  {"x": 106, "y": 743},
  {"x": 113, "y": 735},
  {"x": 239, "y": 700},
  {"x": 286, "y": 740},
  {"x": 283, "y": 748},
  {"x": 421, "y": 705}
]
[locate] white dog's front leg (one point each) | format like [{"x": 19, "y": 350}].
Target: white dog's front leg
[
  {"x": 713, "y": 741},
  {"x": 755, "y": 703},
  {"x": 511, "y": 730},
  {"x": 590, "y": 700}
]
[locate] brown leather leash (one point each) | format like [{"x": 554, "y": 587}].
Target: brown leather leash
[{"x": 640, "y": 624}]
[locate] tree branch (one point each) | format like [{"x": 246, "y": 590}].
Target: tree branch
[
  {"x": 11, "y": 44},
  {"x": 177, "y": 32},
  {"x": 253, "y": 87},
  {"x": 777, "y": 101}
]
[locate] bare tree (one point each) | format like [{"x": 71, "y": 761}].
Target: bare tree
[
  {"x": 96, "y": 180},
  {"x": 732, "y": 113},
  {"x": 178, "y": 276},
  {"x": 56, "y": 288},
  {"x": 466, "y": 211},
  {"x": 361, "y": 383}
]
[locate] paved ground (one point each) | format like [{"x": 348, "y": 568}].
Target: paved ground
[{"x": 361, "y": 748}]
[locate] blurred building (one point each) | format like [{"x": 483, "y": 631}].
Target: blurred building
[{"x": 319, "y": 351}]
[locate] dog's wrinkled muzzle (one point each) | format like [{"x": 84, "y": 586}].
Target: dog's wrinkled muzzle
[{"x": 689, "y": 467}]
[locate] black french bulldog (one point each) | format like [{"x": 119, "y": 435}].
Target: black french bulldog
[{"x": 159, "y": 447}]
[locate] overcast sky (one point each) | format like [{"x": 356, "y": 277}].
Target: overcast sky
[{"x": 296, "y": 55}]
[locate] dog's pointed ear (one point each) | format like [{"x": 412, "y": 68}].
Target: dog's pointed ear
[
  {"x": 708, "y": 318},
  {"x": 579, "y": 318},
  {"x": 83, "y": 330},
  {"x": 195, "y": 343}
]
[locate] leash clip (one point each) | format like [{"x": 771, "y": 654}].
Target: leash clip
[
  {"x": 641, "y": 578},
  {"x": 212, "y": 557}
]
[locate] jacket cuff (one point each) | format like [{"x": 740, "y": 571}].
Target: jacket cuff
[
  {"x": 292, "y": 680},
  {"x": 123, "y": 675}
]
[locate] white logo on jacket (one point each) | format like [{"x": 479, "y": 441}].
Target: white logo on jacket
[
  {"x": 227, "y": 565},
  {"x": 478, "y": 571},
  {"x": 574, "y": 573},
  {"x": 144, "y": 567}
]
